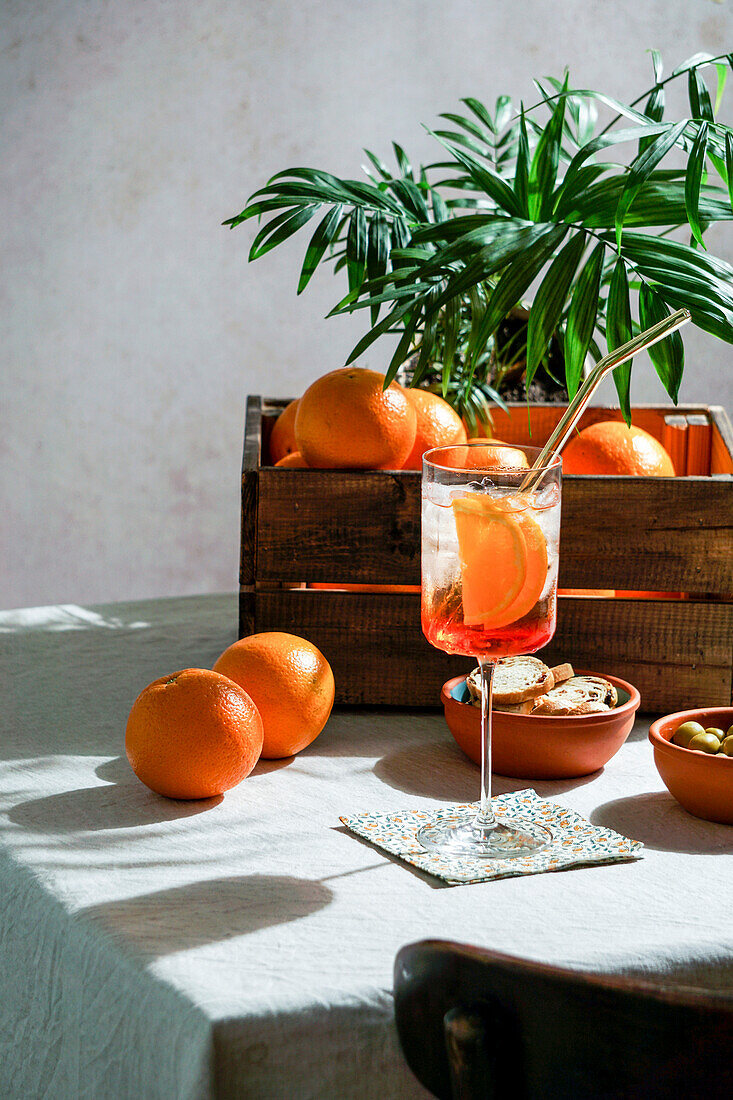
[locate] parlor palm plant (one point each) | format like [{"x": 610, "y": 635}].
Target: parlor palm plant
[{"x": 444, "y": 255}]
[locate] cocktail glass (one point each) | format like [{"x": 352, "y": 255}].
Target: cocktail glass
[{"x": 489, "y": 590}]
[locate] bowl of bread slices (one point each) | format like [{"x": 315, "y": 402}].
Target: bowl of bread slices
[{"x": 547, "y": 722}]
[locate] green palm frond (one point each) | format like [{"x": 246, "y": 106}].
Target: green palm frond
[{"x": 442, "y": 255}]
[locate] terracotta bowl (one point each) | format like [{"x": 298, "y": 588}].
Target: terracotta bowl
[
  {"x": 527, "y": 746},
  {"x": 703, "y": 784}
]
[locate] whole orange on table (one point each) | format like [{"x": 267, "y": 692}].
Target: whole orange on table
[
  {"x": 438, "y": 425},
  {"x": 610, "y": 447},
  {"x": 193, "y": 734},
  {"x": 347, "y": 420},
  {"x": 291, "y": 683}
]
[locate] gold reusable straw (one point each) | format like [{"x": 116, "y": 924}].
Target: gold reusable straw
[{"x": 572, "y": 414}]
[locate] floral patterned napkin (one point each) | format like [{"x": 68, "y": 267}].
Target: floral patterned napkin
[{"x": 575, "y": 843}]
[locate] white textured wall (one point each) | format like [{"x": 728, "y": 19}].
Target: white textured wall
[{"x": 132, "y": 325}]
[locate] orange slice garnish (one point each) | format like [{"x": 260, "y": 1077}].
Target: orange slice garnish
[
  {"x": 492, "y": 552},
  {"x": 503, "y": 559},
  {"x": 535, "y": 572}
]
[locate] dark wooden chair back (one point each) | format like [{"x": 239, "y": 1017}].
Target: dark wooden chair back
[{"x": 477, "y": 1025}]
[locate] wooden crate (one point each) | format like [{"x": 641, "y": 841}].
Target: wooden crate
[{"x": 334, "y": 527}]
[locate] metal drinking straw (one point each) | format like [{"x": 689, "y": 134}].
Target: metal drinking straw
[{"x": 627, "y": 351}]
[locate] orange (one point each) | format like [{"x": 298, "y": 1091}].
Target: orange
[
  {"x": 493, "y": 458},
  {"x": 193, "y": 734},
  {"x": 282, "y": 437},
  {"x": 291, "y": 683},
  {"x": 438, "y": 425},
  {"x": 294, "y": 459},
  {"x": 346, "y": 419},
  {"x": 609, "y": 447},
  {"x": 487, "y": 456},
  {"x": 503, "y": 556}
]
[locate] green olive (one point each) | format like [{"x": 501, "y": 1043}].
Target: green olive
[
  {"x": 726, "y": 749},
  {"x": 684, "y": 733},
  {"x": 720, "y": 734},
  {"x": 730, "y": 732},
  {"x": 704, "y": 742}
]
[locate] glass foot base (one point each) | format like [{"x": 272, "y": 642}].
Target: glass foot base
[{"x": 507, "y": 839}]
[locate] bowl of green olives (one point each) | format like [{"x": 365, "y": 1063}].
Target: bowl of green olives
[{"x": 693, "y": 752}]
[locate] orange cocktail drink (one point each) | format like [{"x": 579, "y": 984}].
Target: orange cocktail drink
[
  {"x": 490, "y": 544},
  {"x": 489, "y": 568}
]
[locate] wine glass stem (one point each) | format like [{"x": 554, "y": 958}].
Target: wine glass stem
[{"x": 485, "y": 817}]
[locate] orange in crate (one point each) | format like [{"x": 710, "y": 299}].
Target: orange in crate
[
  {"x": 438, "y": 425},
  {"x": 611, "y": 447},
  {"x": 482, "y": 456},
  {"x": 347, "y": 420},
  {"x": 294, "y": 460},
  {"x": 282, "y": 437}
]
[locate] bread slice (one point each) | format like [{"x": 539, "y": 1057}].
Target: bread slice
[
  {"x": 516, "y": 679},
  {"x": 578, "y": 695},
  {"x": 560, "y": 673},
  {"x": 508, "y": 708},
  {"x": 517, "y": 708}
]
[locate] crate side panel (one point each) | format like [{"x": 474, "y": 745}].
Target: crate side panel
[
  {"x": 675, "y": 653},
  {"x": 653, "y": 534},
  {"x": 659, "y": 534},
  {"x": 251, "y": 458},
  {"x": 336, "y": 525},
  {"x": 247, "y": 621},
  {"x": 678, "y": 653},
  {"x": 373, "y": 642}
]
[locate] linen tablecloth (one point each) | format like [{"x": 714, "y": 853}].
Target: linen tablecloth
[{"x": 244, "y": 947}]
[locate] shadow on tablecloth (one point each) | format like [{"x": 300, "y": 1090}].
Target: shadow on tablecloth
[
  {"x": 440, "y": 770},
  {"x": 122, "y": 803},
  {"x": 211, "y": 911},
  {"x": 658, "y": 821},
  {"x": 112, "y": 806}
]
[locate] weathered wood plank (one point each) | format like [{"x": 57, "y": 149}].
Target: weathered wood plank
[
  {"x": 251, "y": 458},
  {"x": 678, "y": 653},
  {"x": 668, "y": 534},
  {"x": 658, "y": 534},
  {"x": 247, "y": 612},
  {"x": 336, "y": 525}
]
